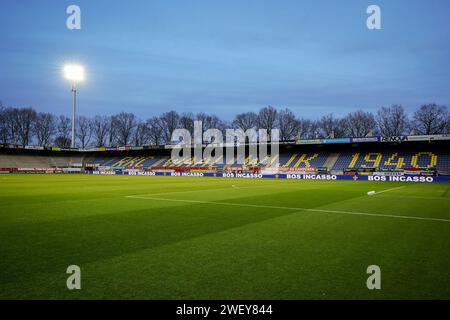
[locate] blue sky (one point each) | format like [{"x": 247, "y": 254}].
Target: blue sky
[{"x": 225, "y": 57}]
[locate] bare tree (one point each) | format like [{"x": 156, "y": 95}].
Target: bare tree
[
  {"x": 25, "y": 120},
  {"x": 4, "y": 133},
  {"x": 45, "y": 128},
  {"x": 12, "y": 124},
  {"x": 140, "y": 134},
  {"x": 210, "y": 121},
  {"x": 331, "y": 127},
  {"x": 84, "y": 130},
  {"x": 63, "y": 139},
  {"x": 431, "y": 119},
  {"x": 124, "y": 123},
  {"x": 447, "y": 127},
  {"x": 288, "y": 124},
  {"x": 112, "y": 132},
  {"x": 155, "y": 130},
  {"x": 267, "y": 119},
  {"x": 214, "y": 122},
  {"x": 360, "y": 124},
  {"x": 100, "y": 128},
  {"x": 170, "y": 122},
  {"x": 307, "y": 129},
  {"x": 24, "y": 125},
  {"x": 187, "y": 122},
  {"x": 392, "y": 121},
  {"x": 245, "y": 121}
]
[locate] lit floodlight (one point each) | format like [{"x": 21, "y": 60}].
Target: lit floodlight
[{"x": 74, "y": 72}]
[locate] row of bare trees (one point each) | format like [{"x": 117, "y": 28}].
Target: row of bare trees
[{"x": 25, "y": 126}]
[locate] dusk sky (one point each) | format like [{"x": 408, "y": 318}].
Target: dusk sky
[{"x": 225, "y": 57}]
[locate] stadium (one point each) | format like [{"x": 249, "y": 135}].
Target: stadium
[{"x": 193, "y": 230}]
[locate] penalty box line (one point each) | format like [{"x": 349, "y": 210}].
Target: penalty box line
[{"x": 291, "y": 208}]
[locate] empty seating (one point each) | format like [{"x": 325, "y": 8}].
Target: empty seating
[
  {"x": 290, "y": 161},
  {"x": 392, "y": 160},
  {"x": 37, "y": 161}
]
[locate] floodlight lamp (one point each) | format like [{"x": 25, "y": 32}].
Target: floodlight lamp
[{"x": 74, "y": 72}]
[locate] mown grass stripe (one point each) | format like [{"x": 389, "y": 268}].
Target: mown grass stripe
[{"x": 292, "y": 208}]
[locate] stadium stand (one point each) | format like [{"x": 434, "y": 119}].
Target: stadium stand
[
  {"x": 333, "y": 161},
  {"x": 336, "y": 158},
  {"x": 9, "y": 161},
  {"x": 38, "y": 161}
]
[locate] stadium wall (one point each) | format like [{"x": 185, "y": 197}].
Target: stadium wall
[{"x": 326, "y": 177}]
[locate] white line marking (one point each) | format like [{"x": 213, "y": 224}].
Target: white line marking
[
  {"x": 292, "y": 208},
  {"x": 193, "y": 191},
  {"x": 387, "y": 190},
  {"x": 416, "y": 197},
  {"x": 233, "y": 187}
]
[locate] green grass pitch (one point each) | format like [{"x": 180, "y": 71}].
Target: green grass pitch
[{"x": 216, "y": 238}]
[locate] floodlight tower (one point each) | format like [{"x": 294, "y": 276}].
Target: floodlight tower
[{"x": 74, "y": 73}]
